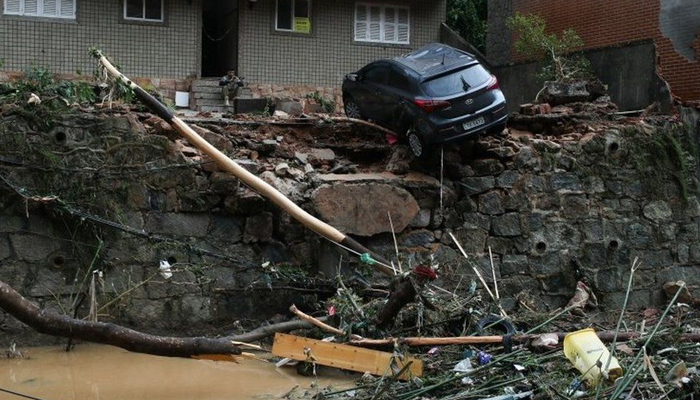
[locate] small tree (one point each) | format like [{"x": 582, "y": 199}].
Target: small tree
[
  {"x": 468, "y": 18},
  {"x": 532, "y": 41}
]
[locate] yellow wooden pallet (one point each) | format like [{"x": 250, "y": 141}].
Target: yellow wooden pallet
[{"x": 345, "y": 357}]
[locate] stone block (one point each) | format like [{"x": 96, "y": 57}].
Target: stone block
[
  {"x": 476, "y": 185},
  {"x": 526, "y": 159},
  {"x": 500, "y": 245},
  {"x": 593, "y": 230},
  {"x": 178, "y": 224},
  {"x": 11, "y": 224},
  {"x": 491, "y": 203},
  {"x": 258, "y": 228},
  {"x": 476, "y": 221},
  {"x": 508, "y": 179},
  {"x": 417, "y": 238},
  {"x": 507, "y": 225},
  {"x": 658, "y": 211},
  {"x": 473, "y": 241},
  {"x": 688, "y": 274},
  {"x": 291, "y": 107},
  {"x": 487, "y": 167},
  {"x": 226, "y": 228},
  {"x": 516, "y": 201},
  {"x": 608, "y": 280},
  {"x": 514, "y": 265},
  {"x": 5, "y": 249},
  {"x": 223, "y": 183},
  {"x": 33, "y": 248},
  {"x": 565, "y": 182},
  {"x": 575, "y": 206},
  {"x": 421, "y": 220}
]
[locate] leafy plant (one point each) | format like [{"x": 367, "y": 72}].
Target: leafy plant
[
  {"x": 54, "y": 94},
  {"x": 534, "y": 41},
  {"x": 328, "y": 106},
  {"x": 468, "y": 18}
]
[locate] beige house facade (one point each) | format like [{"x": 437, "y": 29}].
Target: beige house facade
[{"x": 276, "y": 45}]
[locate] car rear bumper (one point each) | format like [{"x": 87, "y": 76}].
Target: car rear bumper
[{"x": 455, "y": 130}]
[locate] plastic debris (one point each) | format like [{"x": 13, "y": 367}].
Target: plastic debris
[
  {"x": 589, "y": 355},
  {"x": 433, "y": 351},
  {"x": 546, "y": 340},
  {"x": 483, "y": 357},
  {"x": 165, "y": 270},
  {"x": 464, "y": 366}
]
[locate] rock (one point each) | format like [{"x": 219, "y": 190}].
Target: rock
[
  {"x": 399, "y": 162},
  {"x": 658, "y": 211},
  {"x": 226, "y": 228},
  {"x": 476, "y": 185},
  {"x": 556, "y": 93},
  {"x": 178, "y": 224},
  {"x": 280, "y": 114},
  {"x": 487, "y": 167},
  {"x": 671, "y": 288},
  {"x": 491, "y": 203},
  {"x": 320, "y": 156},
  {"x": 301, "y": 157},
  {"x": 363, "y": 209},
  {"x": 33, "y": 248},
  {"x": 249, "y": 165},
  {"x": 281, "y": 169},
  {"x": 507, "y": 225},
  {"x": 289, "y": 107},
  {"x": 258, "y": 228},
  {"x": 421, "y": 220},
  {"x": 287, "y": 187},
  {"x": 417, "y": 238},
  {"x": 5, "y": 250},
  {"x": 223, "y": 182},
  {"x": 514, "y": 264}
]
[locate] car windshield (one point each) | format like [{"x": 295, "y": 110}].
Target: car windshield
[{"x": 456, "y": 82}]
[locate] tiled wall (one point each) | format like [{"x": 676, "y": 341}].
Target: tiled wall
[
  {"x": 329, "y": 52},
  {"x": 168, "y": 50}
]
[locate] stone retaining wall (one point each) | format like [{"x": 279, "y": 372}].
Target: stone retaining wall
[{"x": 550, "y": 209}]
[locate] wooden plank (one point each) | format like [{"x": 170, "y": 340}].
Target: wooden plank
[{"x": 344, "y": 356}]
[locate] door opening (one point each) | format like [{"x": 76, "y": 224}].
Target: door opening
[{"x": 219, "y": 37}]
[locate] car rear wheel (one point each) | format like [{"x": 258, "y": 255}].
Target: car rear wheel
[
  {"x": 416, "y": 143},
  {"x": 352, "y": 110}
]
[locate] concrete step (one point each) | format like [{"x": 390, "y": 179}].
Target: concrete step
[
  {"x": 209, "y": 102},
  {"x": 245, "y": 94},
  {"x": 208, "y": 82},
  {"x": 206, "y": 89},
  {"x": 221, "y": 109}
]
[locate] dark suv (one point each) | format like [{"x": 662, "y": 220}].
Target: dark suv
[{"x": 436, "y": 94}]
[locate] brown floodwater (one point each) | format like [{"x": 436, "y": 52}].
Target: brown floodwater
[{"x": 94, "y": 372}]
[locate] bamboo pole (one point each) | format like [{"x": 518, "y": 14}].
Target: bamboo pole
[
  {"x": 228, "y": 165},
  {"x": 313, "y": 321}
]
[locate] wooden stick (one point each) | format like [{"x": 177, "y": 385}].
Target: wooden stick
[
  {"x": 293, "y": 308},
  {"x": 228, "y": 165},
  {"x": 396, "y": 244},
  {"x": 363, "y": 122},
  {"x": 493, "y": 272}
]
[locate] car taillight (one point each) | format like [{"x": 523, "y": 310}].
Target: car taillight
[
  {"x": 431, "y": 105},
  {"x": 493, "y": 83}
]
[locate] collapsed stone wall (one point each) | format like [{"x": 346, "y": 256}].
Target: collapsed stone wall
[{"x": 112, "y": 196}]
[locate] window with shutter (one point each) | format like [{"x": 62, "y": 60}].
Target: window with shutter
[
  {"x": 41, "y": 8},
  {"x": 13, "y": 7},
  {"x": 382, "y": 23}
]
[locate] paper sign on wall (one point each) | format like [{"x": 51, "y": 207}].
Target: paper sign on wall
[{"x": 302, "y": 25}]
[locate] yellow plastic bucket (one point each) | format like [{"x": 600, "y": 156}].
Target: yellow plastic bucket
[{"x": 584, "y": 349}]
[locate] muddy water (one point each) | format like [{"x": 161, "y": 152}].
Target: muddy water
[{"x": 92, "y": 372}]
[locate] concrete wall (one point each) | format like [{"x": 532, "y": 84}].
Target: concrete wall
[
  {"x": 168, "y": 50},
  {"x": 673, "y": 25},
  {"x": 632, "y": 82},
  {"x": 323, "y": 57}
]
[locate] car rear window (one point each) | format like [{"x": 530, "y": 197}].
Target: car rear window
[{"x": 456, "y": 82}]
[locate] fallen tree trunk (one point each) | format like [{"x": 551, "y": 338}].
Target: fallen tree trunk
[{"x": 99, "y": 332}]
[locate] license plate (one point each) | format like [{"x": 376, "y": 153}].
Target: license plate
[{"x": 473, "y": 123}]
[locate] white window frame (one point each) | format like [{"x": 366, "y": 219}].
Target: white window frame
[
  {"x": 382, "y": 22},
  {"x": 144, "y": 19},
  {"x": 39, "y": 10},
  {"x": 277, "y": 10}
]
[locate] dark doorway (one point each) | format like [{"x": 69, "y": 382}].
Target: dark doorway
[{"x": 219, "y": 37}]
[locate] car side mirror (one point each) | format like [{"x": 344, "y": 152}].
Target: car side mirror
[{"x": 354, "y": 77}]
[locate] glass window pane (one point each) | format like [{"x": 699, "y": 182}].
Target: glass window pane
[
  {"x": 301, "y": 9},
  {"x": 284, "y": 14},
  {"x": 154, "y": 9},
  {"x": 134, "y": 8},
  {"x": 460, "y": 81}
]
